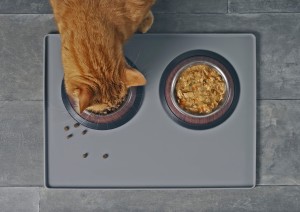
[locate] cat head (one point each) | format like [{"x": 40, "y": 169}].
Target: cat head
[{"x": 102, "y": 93}]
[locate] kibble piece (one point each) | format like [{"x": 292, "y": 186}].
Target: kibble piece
[
  {"x": 84, "y": 132},
  {"x": 76, "y": 125}
]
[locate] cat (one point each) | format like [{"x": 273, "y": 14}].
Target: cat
[{"x": 93, "y": 33}]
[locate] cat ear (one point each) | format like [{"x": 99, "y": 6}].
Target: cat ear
[
  {"x": 84, "y": 96},
  {"x": 134, "y": 77}
]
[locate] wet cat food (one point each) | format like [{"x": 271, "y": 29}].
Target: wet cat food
[{"x": 200, "y": 89}]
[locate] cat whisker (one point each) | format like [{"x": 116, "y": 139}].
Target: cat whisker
[
  {"x": 88, "y": 117},
  {"x": 138, "y": 56}
]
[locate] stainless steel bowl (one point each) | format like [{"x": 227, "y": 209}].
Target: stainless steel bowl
[
  {"x": 174, "y": 81},
  {"x": 169, "y": 98}
]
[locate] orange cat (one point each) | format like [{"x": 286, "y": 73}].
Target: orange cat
[{"x": 93, "y": 33}]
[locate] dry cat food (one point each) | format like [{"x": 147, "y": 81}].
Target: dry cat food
[
  {"x": 105, "y": 109},
  {"x": 200, "y": 89}
]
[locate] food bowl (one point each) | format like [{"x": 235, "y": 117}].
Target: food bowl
[
  {"x": 111, "y": 120},
  {"x": 108, "y": 121},
  {"x": 220, "y": 104},
  {"x": 199, "y": 120}
]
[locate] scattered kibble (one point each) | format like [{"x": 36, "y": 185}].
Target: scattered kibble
[
  {"x": 66, "y": 128},
  {"x": 76, "y": 125},
  {"x": 85, "y": 155},
  {"x": 84, "y": 132},
  {"x": 69, "y": 136},
  {"x": 105, "y": 156}
]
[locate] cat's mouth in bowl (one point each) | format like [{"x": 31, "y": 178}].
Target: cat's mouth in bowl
[
  {"x": 107, "y": 108},
  {"x": 105, "y": 116}
]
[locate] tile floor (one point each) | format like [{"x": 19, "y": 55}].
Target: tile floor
[{"x": 276, "y": 24}]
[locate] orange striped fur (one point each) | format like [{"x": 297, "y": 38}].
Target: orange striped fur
[{"x": 93, "y": 33}]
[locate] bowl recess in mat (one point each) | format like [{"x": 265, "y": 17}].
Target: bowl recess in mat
[
  {"x": 169, "y": 79},
  {"x": 112, "y": 120}
]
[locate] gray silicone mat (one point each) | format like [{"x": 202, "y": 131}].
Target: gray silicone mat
[{"x": 151, "y": 150}]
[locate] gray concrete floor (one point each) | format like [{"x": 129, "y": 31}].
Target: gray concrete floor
[{"x": 277, "y": 26}]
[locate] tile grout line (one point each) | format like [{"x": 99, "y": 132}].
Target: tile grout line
[
  {"x": 39, "y": 200},
  {"x": 277, "y": 99},
  {"x": 263, "y": 13},
  {"x": 21, "y": 100},
  {"x": 25, "y": 186},
  {"x": 228, "y": 6}
]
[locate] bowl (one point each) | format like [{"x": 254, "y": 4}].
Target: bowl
[
  {"x": 125, "y": 112},
  {"x": 220, "y": 104},
  {"x": 196, "y": 120}
]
